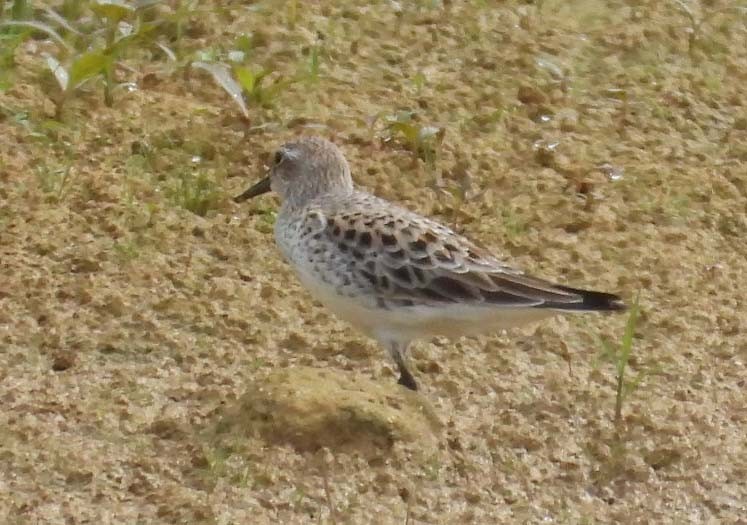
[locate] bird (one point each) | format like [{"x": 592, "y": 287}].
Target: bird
[{"x": 392, "y": 273}]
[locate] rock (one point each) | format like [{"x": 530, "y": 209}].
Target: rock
[
  {"x": 63, "y": 360},
  {"x": 530, "y": 95},
  {"x": 568, "y": 120},
  {"x": 310, "y": 408}
]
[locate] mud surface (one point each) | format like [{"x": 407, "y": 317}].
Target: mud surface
[{"x": 158, "y": 366}]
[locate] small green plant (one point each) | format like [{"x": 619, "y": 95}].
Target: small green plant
[
  {"x": 12, "y": 35},
  {"x": 91, "y": 38},
  {"x": 216, "y": 459},
  {"x": 257, "y": 90},
  {"x": 418, "y": 82},
  {"x": 19, "y": 9},
  {"x": 45, "y": 131},
  {"x": 490, "y": 119},
  {"x": 423, "y": 141},
  {"x": 82, "y": 68},
  {"x": 14, "y": 32},
  {"x": 196, "y": 192},
  {"x": 101, "y": 56},
  {"x": 513, "y": 224},
  {"x": 244, "y": 83},
  {"x": 292, "y": 13},
  {"x": 53, "y": 180},
  {"x": 127, "y": 251},
  {"x": 266, "y": 222},
  {"x": 620, "y": 358},
  {"x": 312, "y": 70},
  {"x": 328, "y": 496},
  {"x": 250, "y": 84},
  {"x": 244, "y": 43},
  {"x": 222, "y": 76},
  {"x": 432, "y": 467},
  {"x": 179, "y": 19}
]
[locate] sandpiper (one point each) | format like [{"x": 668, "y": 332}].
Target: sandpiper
[{"x": 394, "y": 274}]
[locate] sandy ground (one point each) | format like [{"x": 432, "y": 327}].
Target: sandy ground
[{"x": 158, "y": 366}]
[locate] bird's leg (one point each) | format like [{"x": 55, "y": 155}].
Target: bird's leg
[{"x": 398, "y": 352}]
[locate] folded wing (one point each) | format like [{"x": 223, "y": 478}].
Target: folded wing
[{"x": 409, "y": 260}]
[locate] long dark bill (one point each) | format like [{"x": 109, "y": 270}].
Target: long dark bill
[{"x": 261, "y": 187}]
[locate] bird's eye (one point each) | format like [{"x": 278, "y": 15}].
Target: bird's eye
[{"x": 279, "y": 157}]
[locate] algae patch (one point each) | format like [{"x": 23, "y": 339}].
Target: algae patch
[{"x": 309, "y": 409}]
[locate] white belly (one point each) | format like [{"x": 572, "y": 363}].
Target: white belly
[{"x": 404, "y": 324}]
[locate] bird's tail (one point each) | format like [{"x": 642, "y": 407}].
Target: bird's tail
[{"x": 591, "y": 302}]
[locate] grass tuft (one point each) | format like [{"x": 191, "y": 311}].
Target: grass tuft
[
  {"x": 423, "y": 141},
  {"x": 53, "y": 181},
  {"x": 126, "y": 251},
  {"x": 91, "y": 38},
  {"x": 196, "y": 192},
  {"x": 620, "y": 358}
]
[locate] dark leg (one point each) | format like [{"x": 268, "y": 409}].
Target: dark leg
[{"x": 406, "y": 379}]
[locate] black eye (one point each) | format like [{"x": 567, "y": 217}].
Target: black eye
[{"x": 278, "y": 157}]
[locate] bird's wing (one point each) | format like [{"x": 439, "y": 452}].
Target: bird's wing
[{"x": 410, "y": 260}]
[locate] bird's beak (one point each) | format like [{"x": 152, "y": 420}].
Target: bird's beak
[{"x": 261, "y": 187}]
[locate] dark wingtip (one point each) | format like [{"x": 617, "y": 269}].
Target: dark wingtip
[{"x": 592, "y": 301}]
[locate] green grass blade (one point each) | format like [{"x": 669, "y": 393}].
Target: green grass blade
[
  {"x": 113, "y": 10},
  {"x": 87, "y": 66},
  {"x": 38, "y": 26},
  {"x": 19, "y": 9},
  {"x": 408, "y": 131},
  {"x": 626, "y": 348},
  {"x": 55, "y": 17},
  {"x": 245, "y": 77},
  {"x": 222, "y": 76}
]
